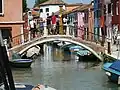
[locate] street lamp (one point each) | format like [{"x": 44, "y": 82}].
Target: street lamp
[{"x": 60, "y": 22}]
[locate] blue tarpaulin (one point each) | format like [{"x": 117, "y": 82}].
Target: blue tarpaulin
[
  {"x": 76, "y": 47},
  {"x": 116, "y": 65}
]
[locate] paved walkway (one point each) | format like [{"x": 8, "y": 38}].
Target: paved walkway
[{"x": 114, "y": 52}]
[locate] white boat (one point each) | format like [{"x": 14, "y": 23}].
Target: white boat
[{"x": 35, "y": 50}]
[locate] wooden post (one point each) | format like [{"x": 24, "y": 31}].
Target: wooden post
[
  {"x": 60, "y": 22},
  {"x": 109, "y": 48}
]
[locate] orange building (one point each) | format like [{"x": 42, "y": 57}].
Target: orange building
[{"x": 11, "y": 21}]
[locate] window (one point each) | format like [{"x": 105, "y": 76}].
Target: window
[
  {"x": 104, "y": 9},
  {"x": 117, "y": 6},
  {"x": 1, "y": 7},
  {"x": 41, "y": 10},
  {"x": 112, "y": 9},
  {"x": 47, "y": 9},
  {"x": 109, "y": 8}
]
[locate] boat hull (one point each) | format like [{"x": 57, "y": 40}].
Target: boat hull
[
  {"x": 112, "y": 71},
  {"x": 113, "y": 77},
  {"x": 19, "y": 86},
  {"x": 21, "y": 63}
]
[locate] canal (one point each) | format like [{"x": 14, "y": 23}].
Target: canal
[{"x": 50, "y": 69}]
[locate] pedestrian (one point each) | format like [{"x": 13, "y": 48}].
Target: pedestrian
[
  {"x": 65, "y": 24},
  {"x": 118, "y": 41},
  {"x": 115, "y": 30},
  {"x": 49, "y": 24},
  {"x": 32, "y": 28},
  {"x": 53, "y": 18},
  {"x": 41, "y": 22}
]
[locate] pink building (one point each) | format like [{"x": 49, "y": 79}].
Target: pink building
[{"x": 11, "y": 21}]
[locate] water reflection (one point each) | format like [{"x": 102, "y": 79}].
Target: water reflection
[{"x": 50, "y": 69}]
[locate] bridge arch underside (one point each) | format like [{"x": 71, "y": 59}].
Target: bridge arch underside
[{"x": 62, "y": 39}]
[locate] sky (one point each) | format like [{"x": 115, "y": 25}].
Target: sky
[{"x": 30, "y": 3}]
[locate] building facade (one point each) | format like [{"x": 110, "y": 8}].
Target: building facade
[
  {"x": 11, "y": 22},
  {"x": 50, "y": 6}
]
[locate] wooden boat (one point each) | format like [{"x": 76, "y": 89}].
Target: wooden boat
[
  {"x": 79, "y": 50},
  {"x": 21, "y": 63},
  {"x": 113, "y": 71},
  {"x": 33, "y": 52}
]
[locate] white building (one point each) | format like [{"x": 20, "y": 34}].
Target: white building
[{"x": 50, "y": 6}]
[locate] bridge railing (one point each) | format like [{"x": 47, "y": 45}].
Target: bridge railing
[{"x": 74, "y": 31}]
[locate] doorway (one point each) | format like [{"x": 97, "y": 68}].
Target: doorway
[{"x": 7, "y": 35}]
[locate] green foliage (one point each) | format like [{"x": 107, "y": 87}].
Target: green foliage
[
  {"x": 24, "y": 3},
  {"x": 37, "y": 2}
]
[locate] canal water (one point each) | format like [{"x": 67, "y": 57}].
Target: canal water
[{"x": 50, "y": 69}]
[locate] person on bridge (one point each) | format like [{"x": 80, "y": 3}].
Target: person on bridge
[
  {"x": 65, "y": 24},
  {"x": 32, "y": 28},
  {"x": 49, "y": 24},
  {"x": 41, "y": 26},
  {"x": 53, "y": 18}
]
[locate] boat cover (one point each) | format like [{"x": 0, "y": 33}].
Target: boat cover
[
  {"x": 83, "y": 52},
  {"x": 111, "y": 68},
  {"x": 76, "y": 47},
  {"x": 27, "y": 87},
  {"x": 116, "y": 65}
]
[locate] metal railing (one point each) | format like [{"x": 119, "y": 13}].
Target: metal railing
[{"x": 67, "y": 30}]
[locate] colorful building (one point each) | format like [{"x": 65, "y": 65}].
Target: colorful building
[
  {"x": 85, "y": 21},
  {"x": 96, "y": 19}
]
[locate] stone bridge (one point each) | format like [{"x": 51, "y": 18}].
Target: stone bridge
[{"x": 91, "y": 46}]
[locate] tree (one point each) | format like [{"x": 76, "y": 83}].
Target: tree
[
  {"x": 24, "y": 3},
  {"x": 37, "y": 2}
]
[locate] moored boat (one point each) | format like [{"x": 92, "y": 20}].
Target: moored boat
[
  {"x": 19, "y": 86},
  {"x": 21, "y": 63},
  {"x": 113, "y": 71}
]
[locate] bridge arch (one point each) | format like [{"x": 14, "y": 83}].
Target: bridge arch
[{"x": 66, "y": 39}]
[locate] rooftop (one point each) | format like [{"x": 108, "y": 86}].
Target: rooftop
[{"x": 53, "y": 2}]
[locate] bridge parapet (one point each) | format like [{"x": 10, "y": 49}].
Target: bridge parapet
[{"x": 87, "y": 44}]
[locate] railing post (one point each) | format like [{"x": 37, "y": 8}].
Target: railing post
[
  {"x": 45, "y": 29},
  {"x": 29, "y": 35}
]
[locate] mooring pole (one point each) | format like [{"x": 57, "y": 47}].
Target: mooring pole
[
  {"x": 2, "y": 71},
  {"x": 5, "y": 59}
]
